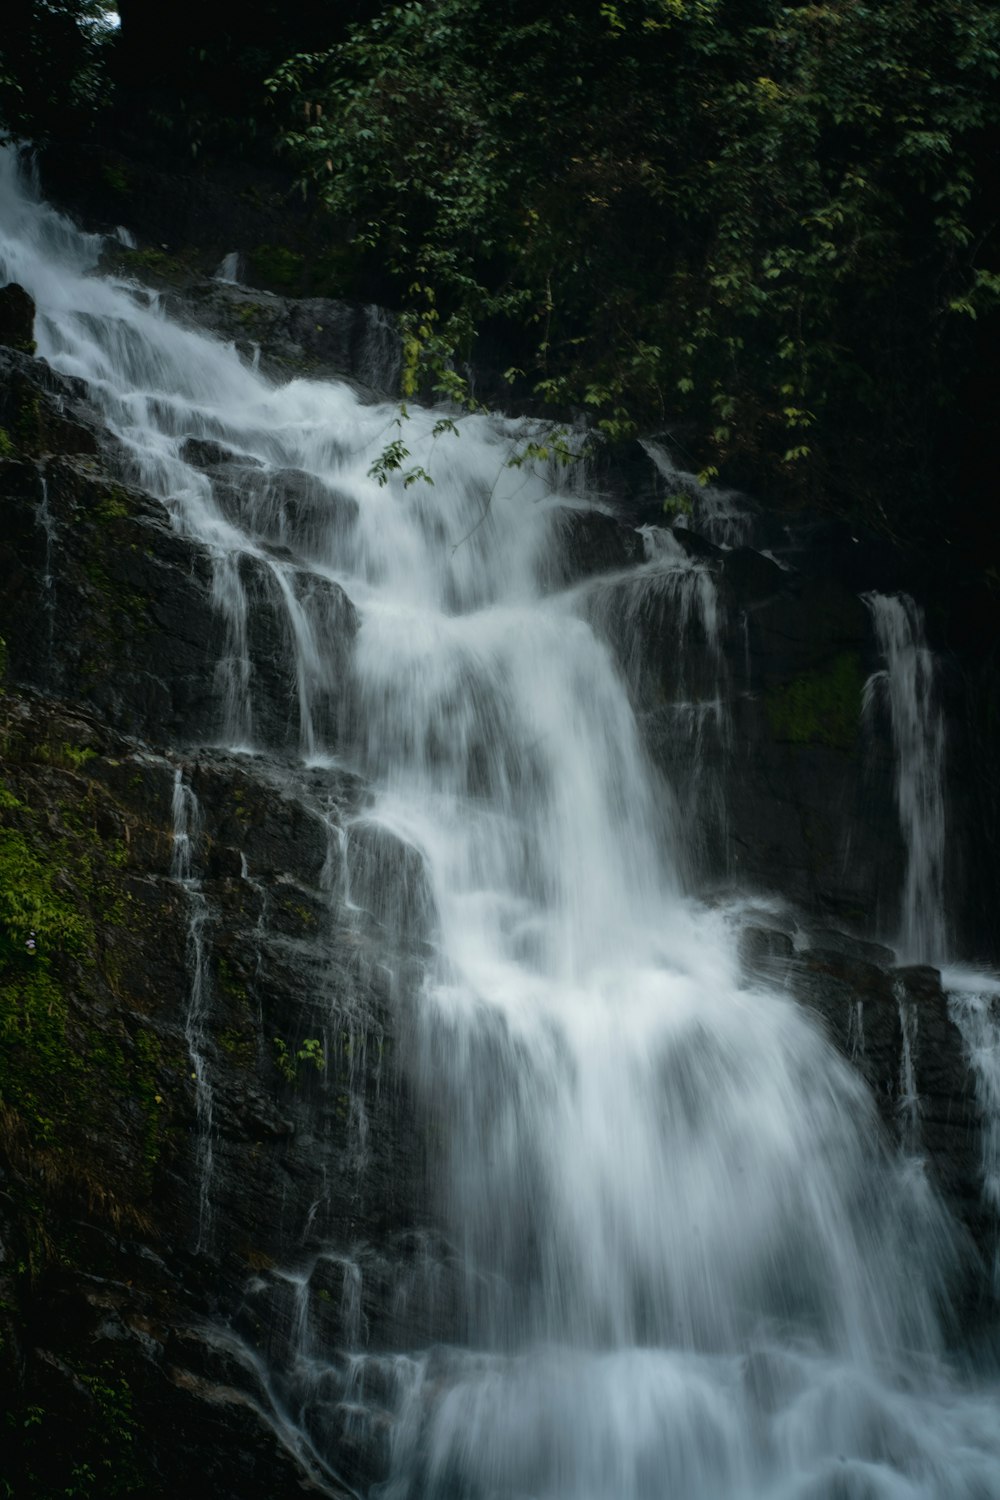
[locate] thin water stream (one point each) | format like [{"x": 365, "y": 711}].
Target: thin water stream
[{"x": 691, "y": 1268}]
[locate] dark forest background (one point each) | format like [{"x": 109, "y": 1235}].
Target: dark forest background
[{"x": 769, "y": 232}]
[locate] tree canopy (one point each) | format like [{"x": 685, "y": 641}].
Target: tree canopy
[
  {"x": 766, "y": 229},
  {"x": 764, "y": 226}
]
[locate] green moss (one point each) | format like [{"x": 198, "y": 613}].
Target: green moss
[
  {"x": 228, "y": 983},
  {"x": 113, "y": 506},
  {"x": 123, "y": 601},
  {"x": 277, "y": 266},
  {"x": 27, "y": 435},
  {"x": 239, "y": 1047},
  {"x": 821, "y": 707},
  {"x": 59, "y": 1064},
  {"x": 115, "y": 178},
  {"x": 150, "y": 1065},
  {"x": 153, "y": 262},
  {"x": 7, "y": 449}
]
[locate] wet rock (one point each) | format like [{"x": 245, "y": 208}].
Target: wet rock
[
  {"x": 765, "y": 952},
  {"x": 104, "y": 603},
  {"x": 596, "y": 542},
  {"x": 297, "y": 1045},
  {"x": 285, "y": 505},
  {"x": 751, "y": 578},
  {"x": 17, "y": 318},
  {"x": 41, "y": 412},
  {"x": 389, "y": 883},
  {"x": 893, "y": 1025},
  {"x": 284, "y": 599},
  {"x": 316, "y": 337},
  {"x": 205, "y": 453}
]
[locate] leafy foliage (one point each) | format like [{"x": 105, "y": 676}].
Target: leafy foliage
[
  {"x": 54, "y": 65},
  {"x": 760, "y": 224}
]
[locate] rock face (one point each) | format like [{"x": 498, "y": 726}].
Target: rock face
[
  {"x": 141, "y": 993},
  {"x": 207, "y": 961}
]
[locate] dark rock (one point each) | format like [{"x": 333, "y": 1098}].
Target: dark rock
[
  {"x": 831, "y": 941},
  {"x": 315, "y": 337},
  {"x": 280, "y": 970},
  {"x": 751, "y": 578},
  {"x": 595, "y": 542},
  {"x": 41, "y": 412},
  {"x": 696, "y": 546},
  {"x": 893, "y": 1025},
  {"x": 282, "y": 505},
  {"x": 389, "y": 883},
  {"x": 130, "y": 595},
  {"x": 17, "y": 318},
  {"x": 765, "y": 951},
  {"x": 204, "y": 453}
]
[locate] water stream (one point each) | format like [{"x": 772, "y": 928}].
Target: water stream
[
  {"x": 908, "y": 683},
  {"x": 186, "y": 830},
  {"x": 691, "y": 1268}
]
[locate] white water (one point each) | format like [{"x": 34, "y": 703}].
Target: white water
[
  {"x": 720, "y": 515},
  {"x": 45, "y": 520},
  {"x": 186, "y": 829},
  {"x": 666, "y": 623},
  {"x": 908, "y": 684},
  {"x": 690, "y": 1268},
  {"x": 974, "y": 1004}
]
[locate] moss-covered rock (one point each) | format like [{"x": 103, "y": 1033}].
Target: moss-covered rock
[{"x": 822, "y": 706}]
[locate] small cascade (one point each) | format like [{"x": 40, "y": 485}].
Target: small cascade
[
  {"x": 974, "y": 1006},
  {"x": 380, "y": 358},
  {"x": 907, "y": 688},
  {"x": 229, "y": 269},
  {"x": 186, "y": 828},
  {"x": 669, "y": 612},
  {"x": 723, "y": 516},
  {"x": 908, "y": 1097},
  {"x": 46, "y": 521}
]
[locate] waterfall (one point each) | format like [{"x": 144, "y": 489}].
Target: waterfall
[
  {"x": 668, "y": 612},
  {"x": 688, "y": 1267},
  {"x": 908, "y": 1101},
  {"x": 974, "y": 1004},
  {"x": 721, "y": 515},
  {"x": 47, "y": 524},
  {"x": 187, "y": 820},
  {"x": 230, "y": 268},
  {"x": 908, "y": 685}
]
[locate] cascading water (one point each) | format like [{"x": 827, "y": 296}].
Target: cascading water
[
  {"x": 974, "y": 1005},
  {"x": 47, "y": 524},
  {"x": 186, "y": 828},
  {"x": 917, "y": 723},
  {"x": 908, "y": 683},
  {"x": 688, "y": 1267},
  {"x": 673, "y": 598}
]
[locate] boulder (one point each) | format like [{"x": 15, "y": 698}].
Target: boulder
[{"x": 17, "y": 318}]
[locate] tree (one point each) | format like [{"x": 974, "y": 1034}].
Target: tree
[
  {"x": 760, "y": 225},
  {"x": 53, "y": 65}
]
